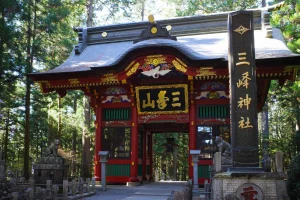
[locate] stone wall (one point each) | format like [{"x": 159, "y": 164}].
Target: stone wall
[{"x": 272, "y": 186}]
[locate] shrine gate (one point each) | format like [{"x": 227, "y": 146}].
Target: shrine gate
[{"x": 169, "y": 75}]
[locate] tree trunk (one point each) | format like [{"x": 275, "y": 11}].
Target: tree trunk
[
  {"x": 59, "y": 125},
  {"x": 86, "y": 141},
  {"x": 90, "y": 12},
  {"x": 6, "y": 138},
  {"x": 175, "y": 164},
  {"x": 143, "y": 9},
  {"x": 74, "y": 135},
  {"x": 2, "y": 35},
  {"x": 27, "y": 96}
]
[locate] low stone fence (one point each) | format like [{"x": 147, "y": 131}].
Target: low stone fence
[
  {"x": 185, "y": 194},
  {"x": 75, "y": 189}
]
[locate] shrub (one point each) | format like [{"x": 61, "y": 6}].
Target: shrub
[{"x": 293, "y": 182}]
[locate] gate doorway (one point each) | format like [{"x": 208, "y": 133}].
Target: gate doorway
[
  {"x": 170, "y": 156},
  {"x": 170, "y": 150}
]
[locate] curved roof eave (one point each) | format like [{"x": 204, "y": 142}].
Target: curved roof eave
[{"x": 158, "y": 44}]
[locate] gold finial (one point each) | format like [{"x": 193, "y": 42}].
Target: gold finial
[{"x": 151, "y": 19}]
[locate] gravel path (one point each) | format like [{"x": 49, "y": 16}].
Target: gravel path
[
  {"x": 153, "y": 190},
  {"x": 112, "y": 194}
]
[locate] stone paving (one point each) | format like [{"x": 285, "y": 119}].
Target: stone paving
[{"x": 162, "y": 190}]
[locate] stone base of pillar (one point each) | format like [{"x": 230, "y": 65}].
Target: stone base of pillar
[
  {"x": 133, "y": 184},
  {"x": 227, "y": 185}
]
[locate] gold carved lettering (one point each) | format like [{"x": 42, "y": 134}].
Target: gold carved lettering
[
  {"x": 161, "y": 101},
  {"x": 245, "y": 124},
  {"x": 175, "y": 99},
  {"x": 244, "y": 102},
  {"x": 242, "y": 59},
  {"x": 245, "y": 80},
  {"x": 150, "y": 103}
]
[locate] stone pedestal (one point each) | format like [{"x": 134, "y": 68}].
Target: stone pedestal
[
  {"x": 50, "y": 168},
  {"x": 233, "y": 186}
]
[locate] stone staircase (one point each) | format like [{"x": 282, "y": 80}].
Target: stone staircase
[{"x": 200, "y": 194}]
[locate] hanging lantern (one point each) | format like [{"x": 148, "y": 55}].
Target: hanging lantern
[{"x": 170, "y": 145}]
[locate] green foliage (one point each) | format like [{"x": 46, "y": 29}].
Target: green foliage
[
  {"x": 191, "y": 7},
  {"x": 293, "y": 182},
  {"x": 287, "y": 19},
  {"x": 164, "y": 161},
  {"x": 284, "y": 114}
]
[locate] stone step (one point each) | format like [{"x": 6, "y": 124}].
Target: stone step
[{"x": 225, "y": 168}]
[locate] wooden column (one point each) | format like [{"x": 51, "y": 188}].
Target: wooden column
[
  {"x": 134, "y": 140},
  {"x": 144, "y": 161},
  {"x": 98, "y": 140},
  {"x": 192, "y": 128},
  {"x": 151, "y": 156}
]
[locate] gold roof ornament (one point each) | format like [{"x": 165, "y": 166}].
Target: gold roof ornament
[{"x": 151, "y": 19}]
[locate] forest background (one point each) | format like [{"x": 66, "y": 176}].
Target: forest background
[{"x": 37, "y": 35}]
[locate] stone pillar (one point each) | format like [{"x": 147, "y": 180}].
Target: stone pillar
[
  {"x": 88, "y": 185},
  {"x": 54, "y": 190},
  {"x": 218, "y": 162},
  {"x": 103, "y": 159},
  {"x": 31, "y": 182},
  {"x": 195, "y": 159},
  {"x": 93, "y": 184},
  {"x": 30, "y": 191},
  {"x": 80, "y": 185},
  {"x": 279, "y": 161},
  {"x": 14, "y": 195},
  {"x": 74, "y": 187},
  {"x": 65, "y": 189}
]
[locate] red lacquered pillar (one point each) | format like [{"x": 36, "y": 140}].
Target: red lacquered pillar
[
  {"x": 192, "y": 128},
  {"x": 151, "y": 157},
  {"x": 98, "y": 141},
  {"x": 144, "y": 161},
  {"x": 134, "y": 142}
]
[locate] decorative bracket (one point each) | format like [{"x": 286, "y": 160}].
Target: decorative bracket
[{"x": 82, "y": 40}]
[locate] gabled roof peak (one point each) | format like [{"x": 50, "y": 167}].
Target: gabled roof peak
[
  {"x": 181, "y": 26},
  {"x": 154, "y": 30}
]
